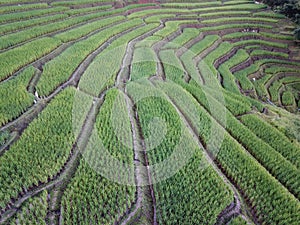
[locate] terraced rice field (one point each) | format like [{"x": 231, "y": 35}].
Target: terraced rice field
[{"x": 148, "y": 112}]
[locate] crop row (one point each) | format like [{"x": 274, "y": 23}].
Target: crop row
[
  {"x": 87, "y": 10},
  {"x": 254, "y": 34},
  {"x": 92, "y": 185},
  {"x": 187, "y": 35},
  {"x": 30, "y": 14},
  {"x": 17, "y": 26},
  {"x": 14, "y": 59},
  {"x": 14, "y": 8},
  {"x": 61, "y": 68},
  {"x": 143, "y": 63},
  {"x": 27, "y": 34},
  {"x": 224, "y": 69},
  {"x": 166, "y": 150},
  {"x": 14, "y": 98},
  {"x": 286, "y": 173},
  {"x": 172, "y": 26},
  {"x": 191, "y": 53},
  {"x": 77, "y": 2},
  {"x": 103, "y": 70},
  {"x": 274, "y": 137},
  {"x": 242, "y": 19},
  {"x": 85, "y": 29},
  {"x": 33, "y": 211},
  {"x": 41, "y": 151},
  {"x": 272, "y": 203}
]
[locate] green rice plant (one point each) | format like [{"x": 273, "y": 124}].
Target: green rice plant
[
  {"x": 260, "y": 34},
  {"x": 41, "y": 151},
  {"x": 191, "y": 185},
  {"x": 14, "y": 1},
  {"x": 242, "y": 7},
  {"x": 280, "y": 69},
  {"x": 14, "y": 59},
  {"x": 33, "y": 211},
  {"x": 244, "y": 19},
  {"x": 264, "y": 192},
  {"x": 158, "y": 18},
  {"x": 259, "y": 52},
  {"x": 103, "y": 70},
  {"x": 151, "y": 12},
  {"x": 190, "y": 5},
  {"x": 238, "y": 221},
  {"x": 172, "y": 26},
  {"x": 231, "y": 26},
  {"x": 83, "y": 30},
  {"x": 87, "y": 10},
  {"x": 9, "y": 27},
  {"x": 89, "y": 189},
  {"x": 224, "y": 69},
  {"x": 288, "y": 98},
  {"x": 14, "y": 98},
  {"x": 149, "y": 41},
  {"x": 143, "y": 64},
  {"x": 196, "y": 49},
  {"x": 77, "y": 2},
  {"x": 273, "y": 137},
  {"x": 15, "y": 38},
  {"x": 261, "y": 42},
  {"x": 30, "y": 14},
  {"x": 14, "y": 8},
  {"x": 230, "y": 13},
  {"x": 58, "y": 70},
  {"x": 269, "y": 14},
  {"x": 187, "y": 35},
  {"x": 260, "y": 88},
  {"x": 274, "y": 90},
  {"x": 244, "y": 81},
  {"x": 173, "y": 68},
  {"x": 210, "y": 59}
]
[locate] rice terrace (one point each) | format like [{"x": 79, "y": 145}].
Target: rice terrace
[{"x": 150, "y": 112}]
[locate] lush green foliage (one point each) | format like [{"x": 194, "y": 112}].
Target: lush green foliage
[
  {"x": 89, "y": 189},
  {"x": 6, "y": 28},
  {"x": 103, "y": 70},
  {"x": 288, "y": 98},
  {"x": 41, "y": 151},
  {"x": 83, "y": 30},
  {"x": 61, "y": 68},
  {"x": 143, "y": 63},
  {"x": 272, "y": 202},
  {"x": 272, "y": 136},
  {"x": 14, "y": 59},
  {"x": 197, "y": 183},
  {"x": 14, "y": 98},
  {"x": 224, "y": 69},
  {"x": 33, "y": 211},
  {"x": 30, "y": 14}
]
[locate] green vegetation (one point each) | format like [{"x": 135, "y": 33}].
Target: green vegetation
[
  {"x": 14, "y": 98},
  {"x": 61, "y": 68},
  {"x": 33, "y": 211},
  {"x": 199, "y": 99},
  {"x": 88, "y": 189},
  {"x": 14, "y": 59},
  {"x": 228, "y": 78},
  {"x": 41, "y": 151},
  {"x": 271, "y": 135},
  {"x": 288, "y": 98},
  {"x": 198, "y": 184}
]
